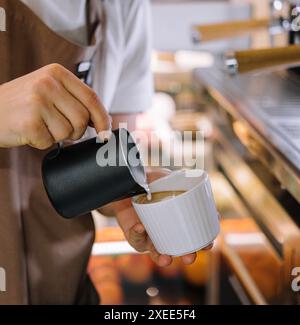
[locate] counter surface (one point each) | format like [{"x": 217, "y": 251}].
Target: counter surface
[{"x": 269, "y": 104}]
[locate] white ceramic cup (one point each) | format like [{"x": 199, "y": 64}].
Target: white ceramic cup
[{"x": 183, "y": 224}]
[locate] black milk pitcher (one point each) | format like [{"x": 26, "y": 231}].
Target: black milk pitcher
[{"x": 86, "y": 176}]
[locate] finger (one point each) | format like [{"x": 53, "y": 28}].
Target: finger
[
  {"x": 38, "y": 137},
  {"x": 164, "y": 260},
  {"x": 69, "y": 107},
  {"x": 160, "y": 260},
  {"x": 127, "y": 217},
  {"x": 209, "y": 247},
  {"x": 189, "y": 259},
  {"x": 74, "y": 111},
  {"x": 139, "y": 229},
  {"x": 98, "y": 114},
  {"x": 59, "y": 127},
  {"x": 137, "y": 238}
]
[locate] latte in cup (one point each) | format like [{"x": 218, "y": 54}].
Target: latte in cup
[
  {"x": 158, "y": 197},
  {"x": 181, "y": 218}
]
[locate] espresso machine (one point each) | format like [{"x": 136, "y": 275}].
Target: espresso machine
[
  {"x": 294, "y": 19},
  {"x": 254, "y": 100},
  {"x": 287, "y": 22}
]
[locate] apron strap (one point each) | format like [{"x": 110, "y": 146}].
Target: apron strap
[{"x": 95, "y": 17}]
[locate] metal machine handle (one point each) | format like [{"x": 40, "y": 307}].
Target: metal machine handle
[
  {"x": 211, "y": 32},
  {"x": 252, "y": 60}
]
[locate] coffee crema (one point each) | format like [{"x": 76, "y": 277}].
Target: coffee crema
[{"x": 158, "y": 197}]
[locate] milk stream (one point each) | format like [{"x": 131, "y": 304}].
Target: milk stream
[{"x": 149, "y": 195}]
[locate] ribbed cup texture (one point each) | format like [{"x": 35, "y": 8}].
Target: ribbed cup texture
[{"x": 184, "y": 224}]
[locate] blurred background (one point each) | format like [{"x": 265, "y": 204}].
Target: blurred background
[{"x": 229, "y": 69}]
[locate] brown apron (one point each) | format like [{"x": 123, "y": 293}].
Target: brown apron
[{"x": 45, "y": 257}]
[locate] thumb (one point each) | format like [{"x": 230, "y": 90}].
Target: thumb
[{"x": 137, "y": 238}]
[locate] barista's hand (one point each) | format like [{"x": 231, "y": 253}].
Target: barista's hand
[
  {"x": 135, "y": 232},
  {"x": 48, "y": 106}
]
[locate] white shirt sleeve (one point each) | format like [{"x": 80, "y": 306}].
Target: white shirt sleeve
[{"x": 129, "y": 87}]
